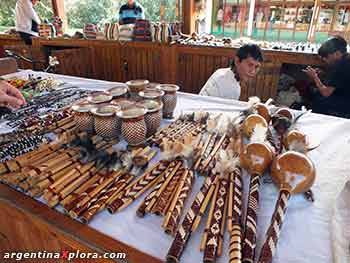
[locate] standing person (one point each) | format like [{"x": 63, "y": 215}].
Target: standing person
[
  {"x": 225, "y": 82},
  {"x": 130, "y": 12},
  {"x": 27, "y": 20},
  {"x": 220, "y": 18},
  {"x": 333, "y": 94}
]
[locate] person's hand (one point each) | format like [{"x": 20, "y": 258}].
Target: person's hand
[
  {"x": 311, "y": 72},
  {"x": 10, "y": 96}
]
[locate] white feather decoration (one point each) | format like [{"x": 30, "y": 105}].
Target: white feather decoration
[
  {"x": 259, "y": 134},
  {"x": 252, "y": 101},
  {"x": 297, "y": 146},
  {"x": 226, "y": 163}
]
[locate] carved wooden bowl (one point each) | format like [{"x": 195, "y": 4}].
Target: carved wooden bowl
[{"x": 294, "y": 172}]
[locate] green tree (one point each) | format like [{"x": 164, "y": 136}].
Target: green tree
[
  {"x": 7, "y": 11},
  {"x": 91, "y": 11}
]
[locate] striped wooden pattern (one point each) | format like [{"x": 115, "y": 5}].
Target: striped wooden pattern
[
  {"x": 249, "y": 242},
  {"x": 185, "y": 229},
  {"x": 214, "y": 237},
  {"x": 180, "y": 203},
  {"x": 269, "y": 248},
  {"x": 141, "y": 210},
  {"x": 75, "y": 62},
  {"x": 236, "y": 221}
]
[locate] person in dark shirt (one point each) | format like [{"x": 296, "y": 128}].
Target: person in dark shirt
[
  {"x": 130, "y": 12},
  {"x": 333, "y": 97}
]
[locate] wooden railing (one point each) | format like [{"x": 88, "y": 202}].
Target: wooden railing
[{"x": 188, "y": 66}]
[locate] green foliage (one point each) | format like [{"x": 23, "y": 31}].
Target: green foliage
[
  {"x": 80, "y": 12},
  {"x": 91, "y": 11},
  {"x": 7, "y": 11},
  {"x": 99, "y": 12}
]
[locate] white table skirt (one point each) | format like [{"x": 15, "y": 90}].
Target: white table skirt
[{"x": 312, "y": 232}]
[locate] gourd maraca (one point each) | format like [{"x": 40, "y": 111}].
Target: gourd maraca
[
  {"x": 256, "y": 158},
  {"x": 294, "y": 173}
]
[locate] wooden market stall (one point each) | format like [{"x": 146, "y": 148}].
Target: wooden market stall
[{"x": 187, "y": 66}]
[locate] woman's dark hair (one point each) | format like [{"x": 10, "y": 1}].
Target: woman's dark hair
[
  {"x": 249, "y": 51},
  {"x": 333, "y": 45}
]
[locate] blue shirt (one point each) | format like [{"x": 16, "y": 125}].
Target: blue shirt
[{"x": 129, "y": 14}]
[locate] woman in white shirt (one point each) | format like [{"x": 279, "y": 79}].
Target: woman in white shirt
[
  {"x": 27, "y": 20},
  {"x": 225, "y": 82}
]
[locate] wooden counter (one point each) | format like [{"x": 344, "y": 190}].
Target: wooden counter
[
  {"x": 188, "y": 66},
  {"x": 27, "y": 225}
]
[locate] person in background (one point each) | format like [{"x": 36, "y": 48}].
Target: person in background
[
  {"x": 10, "y": 96},
  {"x": 27, "y": 20},
  {"x": 333, "y": 94},
  {"x": 130, "y": 12},
  {"x": 220, "y": 18},
  {"x": 225, "y": 82}
]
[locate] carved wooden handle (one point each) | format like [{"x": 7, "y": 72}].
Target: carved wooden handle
[
  {"x": 249, "y": 243},
  {"x": 269, "y": 247},
  {"x": 235, "y": 244}
]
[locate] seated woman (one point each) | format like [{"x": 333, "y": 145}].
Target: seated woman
[
  {"x": 333, "y": 96},
  {"x": 225, "y": 82}
]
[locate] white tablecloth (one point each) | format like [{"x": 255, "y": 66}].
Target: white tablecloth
[{"x": 312, "y": 232}]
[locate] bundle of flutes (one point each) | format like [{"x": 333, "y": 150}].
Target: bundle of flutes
[
  {"x": 107, "y": 197},
  {"x": 186, "y": 124},
  {"x": 235, "y": 208},
  {"x": 172, "y": 217},
  {"x": 51, "y": 167},
  {"x": 139, "y": 186},
  {"x": 218, "y": 138},
  {"x": 192, "y": 218},
  {"x": 163, "y": 181},
  {"x": 212, "y": 240}
]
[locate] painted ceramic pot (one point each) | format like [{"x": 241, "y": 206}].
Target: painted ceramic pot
[
  {"x": 133, "y": 125},
  {"x": 152, "y": 94},
  {"x": 135, "y": 86},
  {"x": 100, "y": 97},
  {"x": 169, "y": 99},
  {"x": 153, "y": 116},
  {"x": 105, "y": 117},
  {"x": 83, "y": 118},
  {"x": 119, "y": 91},
  {"x": 123, "y": 104},
  {"x": 152, "y": 86}
]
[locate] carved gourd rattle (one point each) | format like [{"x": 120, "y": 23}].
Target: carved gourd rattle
[{"x": 293, "y": 173}]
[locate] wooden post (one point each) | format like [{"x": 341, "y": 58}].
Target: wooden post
[
  {"x": 188, "y": 16},
  {"x": 314, "y": 20},
  {"x": 58, "y": 10}
]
